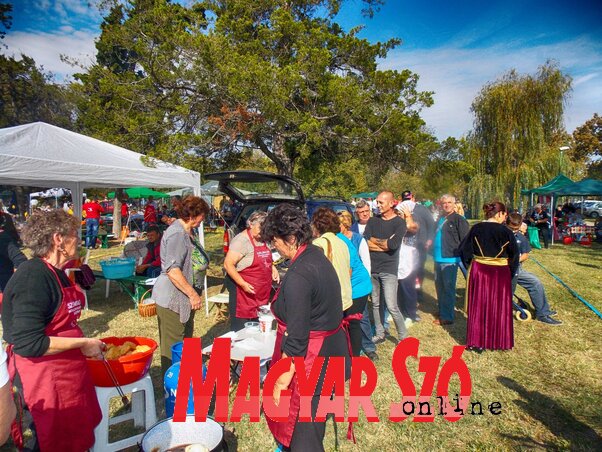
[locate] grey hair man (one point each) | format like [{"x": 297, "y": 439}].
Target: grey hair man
[
  {"x": 362, "y": 214},
  {"x": 451, "y": 230}
]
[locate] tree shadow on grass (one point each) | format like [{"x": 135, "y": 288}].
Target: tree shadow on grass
[
  {"x": 576, "y": 434},
  {"x": 428, "y": 304},
  {"x": 108, "y": 308}
]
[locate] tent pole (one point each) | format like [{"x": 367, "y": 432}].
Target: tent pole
[{"x": 552, "y": 214}]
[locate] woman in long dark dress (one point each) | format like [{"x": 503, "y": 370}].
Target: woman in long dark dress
[
  {"x": 309, "y": 311},
  {"x": 492, "y": 254}
]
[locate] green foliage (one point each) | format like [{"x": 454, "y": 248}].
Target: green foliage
[
  {"x": 27, "y": 94},
  {"x": 5, "y": 18},
  {"x": 448, "y": 170},
  {"x": 517, "y": 134},
  {"x": 588, "y": 145},
  {"x": 220, "y": 77}
]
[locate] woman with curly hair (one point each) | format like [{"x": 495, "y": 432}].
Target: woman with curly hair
[
  {"x": 47, "y": 350},
  {"x": 491, "y": 255},
  {"x": 178, "y": 289},
  {"x": 309, "y": 312}
]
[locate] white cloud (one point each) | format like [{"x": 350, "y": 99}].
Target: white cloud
[
  {"x": 46, "y": 48},
  {"x": 457, "y": 75}
]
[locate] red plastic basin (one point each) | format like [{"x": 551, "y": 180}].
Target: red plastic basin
[{"x": 127, "y": 369}]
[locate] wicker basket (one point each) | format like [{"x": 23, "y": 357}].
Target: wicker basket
[{"x": 146, "y": 306}]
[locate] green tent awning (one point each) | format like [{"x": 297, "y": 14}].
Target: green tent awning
[
  {"x": 364, "y": 195},
  {"x": 556, "y": 184},
  {"x": 585, "y": 187},
  {"x": 140, "y": 192}
]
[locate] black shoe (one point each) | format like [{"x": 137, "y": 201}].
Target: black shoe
[
  {"x": 378, "y": 339},
  {"x": 478, "y": 350},
  {"x": 550, "y": 321},
  {"x": 552, "y": 313},
  {"x": 372, "y": 355}
]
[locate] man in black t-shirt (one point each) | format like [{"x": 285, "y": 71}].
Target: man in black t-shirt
[
  {"x": 527, "y": 280},
  {"x": 384, "y": 235}
]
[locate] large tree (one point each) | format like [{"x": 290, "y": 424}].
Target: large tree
[
  {"x": 518, "y": 129},
  {"x": 222, "y": 76},
  {"x": 28, "y": 94},
  {"x": 588, "y": 145}
]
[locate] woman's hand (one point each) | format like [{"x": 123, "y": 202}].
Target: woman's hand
[
  {"x": 248, "y": 288},
  {"x": 281, "y": 384},
  {"x": 93, "y": 348},
  {"x": 283, "y": 381},
  {"x": 195, "y": 301},
  {"x": 275, "y": 274}
]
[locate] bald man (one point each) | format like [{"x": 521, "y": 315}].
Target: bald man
[{"x": 384, "y": 235}]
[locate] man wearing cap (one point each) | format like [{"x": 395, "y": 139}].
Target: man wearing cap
[{"x": 425, "y": 234}]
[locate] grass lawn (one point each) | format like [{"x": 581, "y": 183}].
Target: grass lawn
[{"x": 549, "y": 386}]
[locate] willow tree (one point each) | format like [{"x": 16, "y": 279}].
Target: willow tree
[{"x": 518, "y": 129}]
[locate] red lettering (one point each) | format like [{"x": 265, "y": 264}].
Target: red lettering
[
  {"x": 332, "y": 397},
  {"x": 455, "y": 365},
  {"x": 407, "y": 347},
  {"x": 278, "y": 413},
  {"x": 307, "y": 382},
  {"x": 249, "y": 378},
  {"x": 360, "y": 395},
  {"x": 430, "y": 366},
  {"x": 218, "y": 375}
]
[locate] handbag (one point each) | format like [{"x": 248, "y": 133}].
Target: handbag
[{"x": 85, "y": 277}]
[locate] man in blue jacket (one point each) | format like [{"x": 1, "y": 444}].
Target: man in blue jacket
[{"x": 451, "y": 230}]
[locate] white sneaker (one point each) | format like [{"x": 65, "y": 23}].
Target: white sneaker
[{"x": 408, "y": 322}]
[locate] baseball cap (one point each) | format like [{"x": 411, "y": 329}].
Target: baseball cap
[{"x": 406, "y": 195}]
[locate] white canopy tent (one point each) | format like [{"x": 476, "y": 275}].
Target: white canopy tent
[{"x": 42, "y": 155}]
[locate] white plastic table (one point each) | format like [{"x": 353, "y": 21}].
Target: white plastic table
[{"x": 246, "y": 342}]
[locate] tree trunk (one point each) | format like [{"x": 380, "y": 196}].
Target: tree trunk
[
  {"x": 117, "y": 212},
  {"x": 22, "y": 201},
  {"x": 285, "y": 163}
]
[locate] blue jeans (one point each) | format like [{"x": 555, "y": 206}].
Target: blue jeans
[
  {"x": 91, "y": 231},
  {"x": 366, "y": 326},
  {"x": 445, "y": 283},
  {"x": 388, "y": 283},
  {"x": 536, "y": 291}
]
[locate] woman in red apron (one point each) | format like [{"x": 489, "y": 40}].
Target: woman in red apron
[
  {"x": 309, "y": 311},
  {"x": 250, "y": 273},
  {"x": 47, "y": 350}
]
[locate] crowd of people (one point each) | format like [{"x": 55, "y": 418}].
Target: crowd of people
[{"x": 336, "y": 265}]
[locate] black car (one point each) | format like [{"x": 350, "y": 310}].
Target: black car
[{"x": 260, "y": 190}]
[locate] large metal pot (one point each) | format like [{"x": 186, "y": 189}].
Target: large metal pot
[{"x": 167, "y": 434}]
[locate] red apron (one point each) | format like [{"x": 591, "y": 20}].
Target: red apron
[
  {"x": 283, "y": 431},
  {"x": 259, "y": 275},
  {"x": 58, "y": 389}
]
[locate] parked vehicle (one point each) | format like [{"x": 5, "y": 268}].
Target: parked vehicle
[
  {"x": 259, "y": 190},
  {"x": 592, "y": 208}
]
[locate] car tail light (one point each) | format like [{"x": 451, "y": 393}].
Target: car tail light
[{"x": 226, "y": 240}]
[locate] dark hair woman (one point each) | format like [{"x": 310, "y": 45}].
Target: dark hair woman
[
  {"x": 309, "y": 312},
  {"x": 178, "y": 289},
  {"x": 47, "y": 349},
  {"x": 491, "y": 255},
  {"x": 10, "y": 254}
]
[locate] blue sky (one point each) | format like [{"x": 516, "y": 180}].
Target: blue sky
[{"x": 455, "y": 47}]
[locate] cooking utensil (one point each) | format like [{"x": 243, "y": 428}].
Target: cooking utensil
[{"x": 124, "y": 399}]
